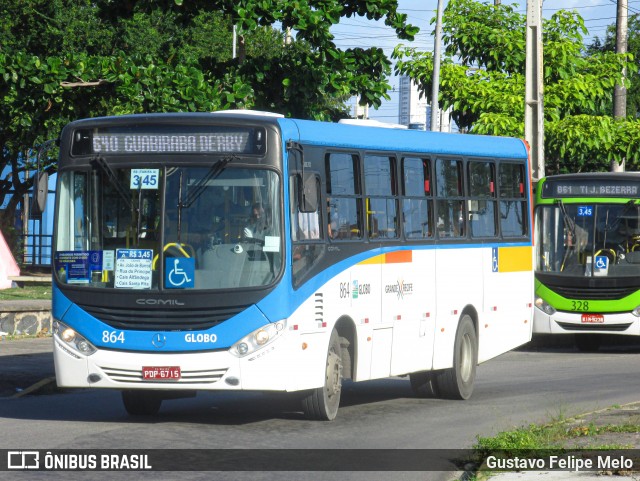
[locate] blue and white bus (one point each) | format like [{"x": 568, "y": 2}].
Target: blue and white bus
[{"x": 242, "y": 250}]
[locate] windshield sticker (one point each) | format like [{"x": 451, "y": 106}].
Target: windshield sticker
[
  {"x": 271, "y": 244},
  {"x": 133, "y": 268},
  {"x": 108, "y": 260},
  {"x": 144, "y": 179},
  {"x": 179, "y": 272},
  {"x": 77, "y": 267}
]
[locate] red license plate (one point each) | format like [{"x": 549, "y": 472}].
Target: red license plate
[
  {"x": 160, "y": 373},
  {"x": 592, "y": 318}
]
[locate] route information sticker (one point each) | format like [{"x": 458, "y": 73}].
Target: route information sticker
[{"x": 133, "y": 268}]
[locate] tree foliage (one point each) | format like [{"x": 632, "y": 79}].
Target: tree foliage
[
  {"x": 113, "y": 57},
  {"x": 482, "y": 80},
  {"x": 633, "y": 47}
]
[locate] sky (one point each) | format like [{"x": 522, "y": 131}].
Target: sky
[{"x": 359, "y": 32}]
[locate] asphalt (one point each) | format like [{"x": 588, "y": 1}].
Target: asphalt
[
  {"x": 27, "y": 369},
  {"x": 27, "y": 366}
]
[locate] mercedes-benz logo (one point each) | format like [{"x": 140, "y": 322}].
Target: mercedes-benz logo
[{"x": 159, "y": 340}]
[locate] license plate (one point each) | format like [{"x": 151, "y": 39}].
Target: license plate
[
  {"x": 592, "y": 318},
  {"x": 160, "y": 373}
]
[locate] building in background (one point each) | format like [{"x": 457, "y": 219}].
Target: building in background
[
  {"x": 415, "y": 111},
  {"x": 412, "y": 110}
]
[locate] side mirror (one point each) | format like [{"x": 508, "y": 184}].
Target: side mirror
[
  {"x": 308, "y": 192},
  {"x": 40, "y": 193}
]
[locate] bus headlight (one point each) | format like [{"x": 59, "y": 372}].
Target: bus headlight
[
  {"x": 544, "y": 306},
  {"x": 636, "y": 311},
  {"x": 72, "y": 338},
  {"x": 258, "y": 339}
]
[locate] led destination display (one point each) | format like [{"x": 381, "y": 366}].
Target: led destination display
[
  {"x": 196, "y": 140},
  {"x": 594, "y": 187}
]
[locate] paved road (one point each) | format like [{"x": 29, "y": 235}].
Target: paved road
[{"x": 514, "y": 389}]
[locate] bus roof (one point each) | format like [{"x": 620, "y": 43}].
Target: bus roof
[{"x": 379, "y": 138}]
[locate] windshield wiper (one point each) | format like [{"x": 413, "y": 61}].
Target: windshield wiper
[
  {"x": 214, "y": 171},
  {"x": 620, "y": 216},
  {"x": 113, "y": 179},
  {"x": 197, "y": 190},
  {"x": 571, "y": 225}
]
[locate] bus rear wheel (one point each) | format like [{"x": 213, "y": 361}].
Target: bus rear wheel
[
  {"x": 322, "y": 403},
  {"x": 457, "y": 382},
  {"x": 141, "y": 403}
]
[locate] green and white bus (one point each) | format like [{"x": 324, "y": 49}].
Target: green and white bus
[{"x": 588, "y": 256}]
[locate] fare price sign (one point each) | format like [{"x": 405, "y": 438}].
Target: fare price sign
[
  {"x": 133, "y": 268},
  {"x": 146, "y": 179}
]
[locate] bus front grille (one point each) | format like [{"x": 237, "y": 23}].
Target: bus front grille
[
  {"x": 134, "y": 376},
  {"x": 594, "y": 327},
  {"x": 593, "y": 293},
  {"x": 162, "y": 319}
]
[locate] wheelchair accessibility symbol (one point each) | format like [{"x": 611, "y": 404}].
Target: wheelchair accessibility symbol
[
  {"x": 179, "y": 272},
  {"x": 494, "y": 259},
  {"x": 602, "y": 262}
]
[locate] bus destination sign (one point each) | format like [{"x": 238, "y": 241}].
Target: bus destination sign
[
  {"x": 207, "y": 140},
  {"x": 591, "y": 188}
]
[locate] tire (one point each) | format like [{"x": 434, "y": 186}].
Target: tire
[
  {"x": 423, "y": 384},
  {"x": 322, "y": 403},
  {"x": 141, "y": 403},
  {"x": 457, "y": 382},
  {"x": 588, "y": 342}
]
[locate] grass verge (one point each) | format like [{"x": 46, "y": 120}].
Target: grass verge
[
  {"x": 32, "y": 291},
  {"x": 590, "y": 432}
]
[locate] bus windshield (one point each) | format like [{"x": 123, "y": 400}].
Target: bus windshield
[
  {"x": 598, "y": 239},
  {"x": 174, "y": 227}
]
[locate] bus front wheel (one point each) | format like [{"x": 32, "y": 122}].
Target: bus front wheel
[
  {"x": 141, "y": 403},
  {"x": 322, "y": 403},
  {"x": 457, "y": 382}
]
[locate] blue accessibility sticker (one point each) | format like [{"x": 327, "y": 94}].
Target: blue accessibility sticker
[{"x": 179, "y": 272}]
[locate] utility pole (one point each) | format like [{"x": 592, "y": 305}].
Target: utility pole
[
  {"x": 620, "y": 91},
  {"x": 534, "y": 106},
  {"x": 234, "y": 42},
  {"x": 436, "y": 69}
]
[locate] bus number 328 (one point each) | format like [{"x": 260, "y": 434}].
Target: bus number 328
[{"x": 579, "y": 305}]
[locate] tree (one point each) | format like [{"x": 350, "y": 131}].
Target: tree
[
  {"x": 171, "y": 55},
  {"x": 633, "y": 47},
  {"x": 482, "y": 80}
]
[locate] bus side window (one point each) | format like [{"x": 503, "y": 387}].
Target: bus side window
[
  {"x": 381, "y": 201},
  {"x": 304, "y": 225},
  {"x": 450, "y": 199},
  {"x": 344, "y": 195},
  {"x": 513, "y": 202},
  {"x": 417, "y": 205},
  {"x": 306, "y": 234},
  {"x": 482, "y": 204}
]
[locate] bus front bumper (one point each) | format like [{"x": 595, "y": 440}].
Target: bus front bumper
[
  {"x": 560, "y": 322},
  {"x": 210, "y": 370}
]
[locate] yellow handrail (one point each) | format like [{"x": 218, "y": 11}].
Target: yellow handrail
[{"x": 181, "y": 248}]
